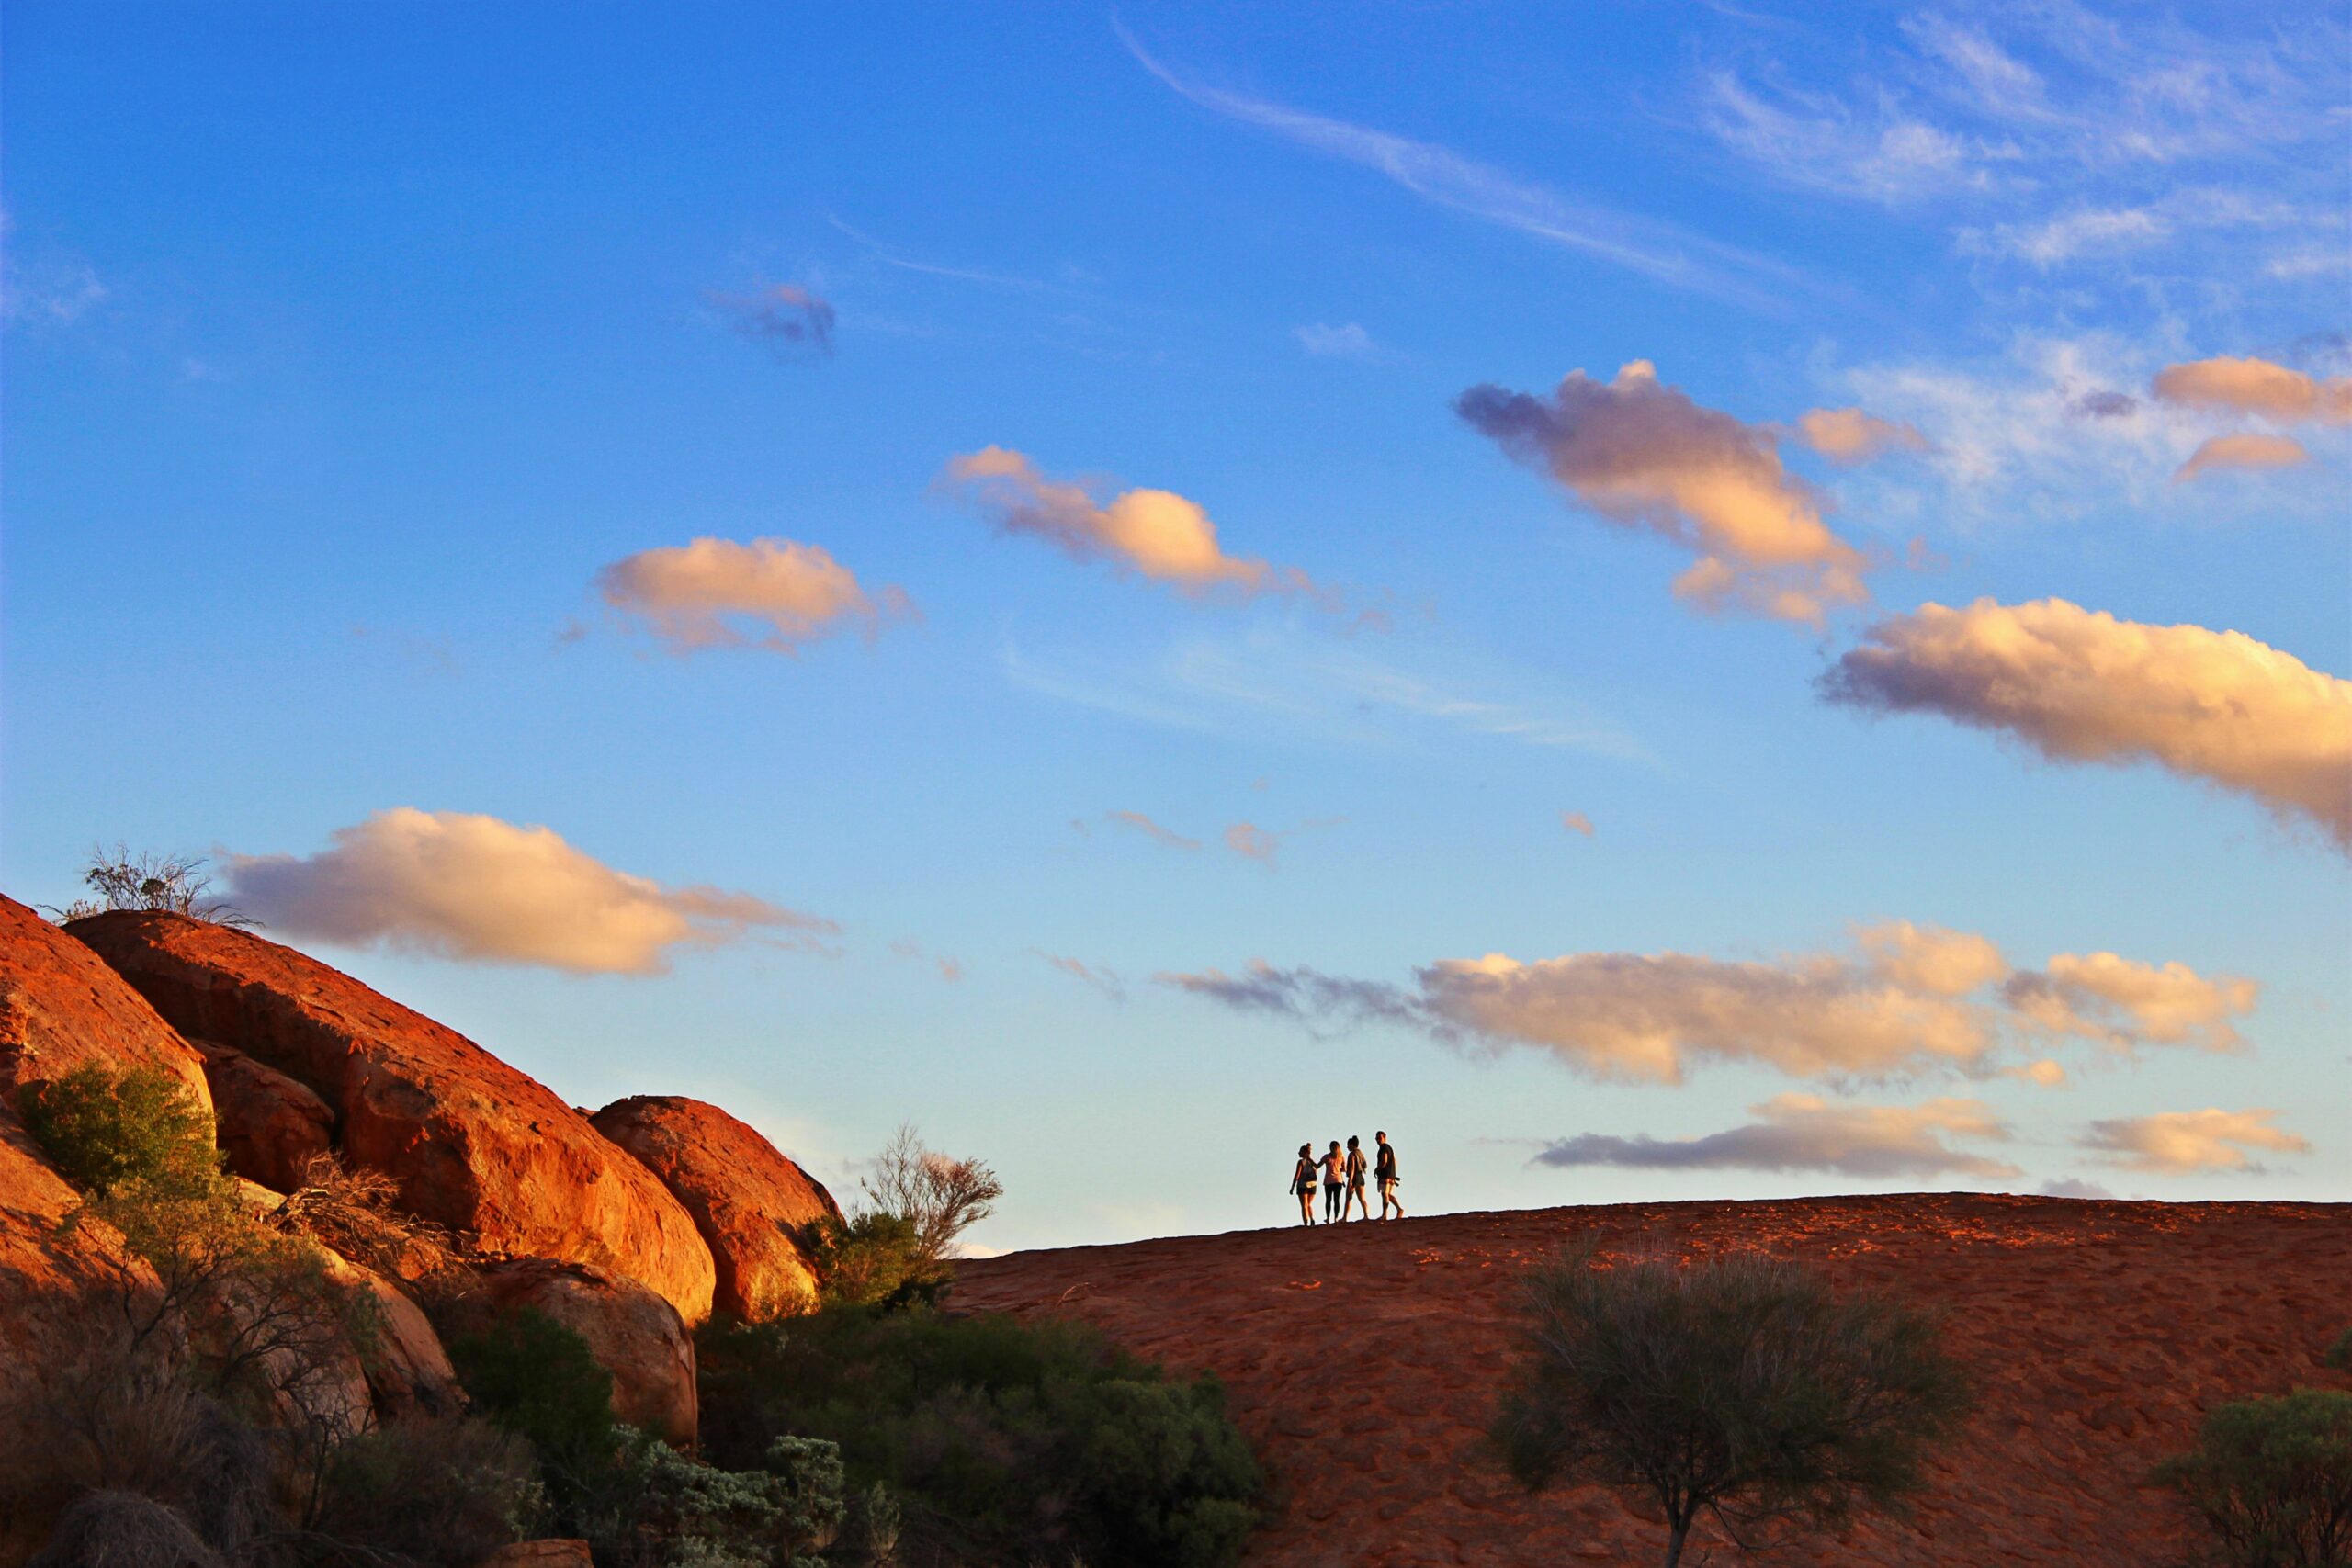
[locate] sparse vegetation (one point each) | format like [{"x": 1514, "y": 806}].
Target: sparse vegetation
[
  {"x": 1736, "y": 1388},
  {"x": 2273, "y": 1477},
  {"x": 995, "y": 1440},
  {"x": 106, "y": 1130},
  {"x": 450, "y": 1490},
  {"x": 896, "y": 1248},
  {"x": 351, "y": 1213},
  {"x": 2340, "y": 1355},
  {"x": 176, "y": 884}
]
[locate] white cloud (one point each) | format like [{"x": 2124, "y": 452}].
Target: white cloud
[
  {"x": 1910, "y": 999},
  {"x": 1348, "y": 342},
  {"x": 1156, "y": 533},
  {"x": 1645, "y": 454},
  {"x": 1803, "y": 1132},
  {"x": 2176, "y": 1142},
  {"x": 703, "y": 596},
  {"x": 2081, "y": 687},
  {"x": 479, "y": 890}
]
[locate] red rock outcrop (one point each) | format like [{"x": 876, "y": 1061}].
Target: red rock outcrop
[
  {"x": 633, "y": 1333},
  {"x": 474, "y": 1145},
  {"x": 269, "y": 1124},
  {"x": 1364, "y": 1362},
  {"x": 746, "y": 1197},
  {"x": 61, "y": 1007},
  {"x": 54, "y": 1286},
  {"x": 550, "y": 1553}
]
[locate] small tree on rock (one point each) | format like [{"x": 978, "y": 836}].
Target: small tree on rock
[
  {"x": 1737, "y": 1387},
  {"x": 2273, "y": 1477},
  {"x": 177, "y": 884}
]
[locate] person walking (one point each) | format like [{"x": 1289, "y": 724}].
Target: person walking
[
  {"x": 1301, "y": 1182},
  {"x": 1383, "y": 1171},
  {"x": 1334, "y": 1183},
  {"x": 1354, "y": 1169}
]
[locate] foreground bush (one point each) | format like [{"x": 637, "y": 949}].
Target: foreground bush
[
  {"x": 445, "y": 1491},
  {"x": 105, "y": 1129},
  {"x": 638, "y": 1501},
  {"x": 2273, "y": 1477},
  {"x": 994, "y": 1441},
  {"x": 1736, "y": 1387}
]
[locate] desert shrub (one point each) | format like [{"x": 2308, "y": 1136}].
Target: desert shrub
[
  {"x": 536, "y": 1378},
  {"x": 351, "y": 1213},
  {"x": 2273, "y": 1477},
  {"x": 449, "y": 1491},
  {"x": 940, "y": 1196},
  {"x": 177, "y": 884},
  {"x": 2340, "y": 1355},
  {"x": 106, "y": 1130},
  {"x": 123, "y": 1529},
  {"x": 664, "y": 1510},
  {"x": 874, "y": 1260},
  {"x": 1737, "y": 1387},
  {"x": 998, "y": 1440}
]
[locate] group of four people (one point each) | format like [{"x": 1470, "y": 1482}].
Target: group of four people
[{"x": 1343, "y": 1180}]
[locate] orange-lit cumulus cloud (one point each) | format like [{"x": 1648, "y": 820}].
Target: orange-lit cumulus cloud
[
  {"x": 2178, "y": 1140},
  {"x": 1908, "y": 998},
  {"x": 1849, "y": 435},
  {"x": 2257, "y": 386},
  {"x": 478, "y": 889},
  {"x": 2081, "y": 687},
  {"x": 1803, "y": 1132},
  {"x": 1155, "y": 534},
  {"x": 2247, "y": 449},
  {"x": 1577, "y": 822},
  {"x": 704, "y": 594},
  {"x": 1643, "y": 455}
]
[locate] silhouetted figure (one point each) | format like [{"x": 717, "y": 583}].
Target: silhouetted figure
[
  {"x": 1383, "y": 1171},
  {"x": 1334, "y": 1182},
  {"x": 1354, "y": 1169},
  {"x": 1301, "y": 1182}
]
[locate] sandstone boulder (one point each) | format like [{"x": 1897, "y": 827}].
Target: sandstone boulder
[
  {"x": 746, "y": 1197},
  {"x": 474, "y": 1145},
  {"x": 633, "y": 1333},
  {"x": 269, "y": 1124},
  {"x": 61, "y": 1007},
  {"x": 55, "y": 1287},
  {"x": 407, "y": 1371}
]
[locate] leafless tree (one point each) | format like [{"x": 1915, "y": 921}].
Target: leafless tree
[
  {"x": 176, "y": 884},
  {"x": 941, "y": 1196}
]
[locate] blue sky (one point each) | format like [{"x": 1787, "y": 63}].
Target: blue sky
[{"x": 363, "y": 363}]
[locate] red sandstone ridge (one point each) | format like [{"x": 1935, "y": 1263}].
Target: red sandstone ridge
[
  {"x": 1363, "y": 1360},
  {"x": 747, "y": 1199},
  {"x": 61, "y": 1007},
  {"x": 474, "y": 1144}
]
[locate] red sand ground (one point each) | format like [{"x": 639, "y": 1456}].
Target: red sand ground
[{"x": 1362, "y": 1361}]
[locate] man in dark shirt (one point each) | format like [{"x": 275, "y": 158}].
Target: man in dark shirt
[{"x": 1383, "y": 1171}]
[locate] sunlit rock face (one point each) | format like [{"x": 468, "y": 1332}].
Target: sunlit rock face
[
  {"x": 61, "y": 1008},
  {"x": 474, "y": 1145},
  {"x": 748, "y": 1200}
]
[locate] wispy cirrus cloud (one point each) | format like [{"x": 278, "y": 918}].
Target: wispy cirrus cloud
[
  {"x": 2180, "y": 1141},
  {"x": 2081, "y": 686},
  {"x": 1907, "y": 999},
  {"x": 1094, "y": 975},
  {"x": 1650, "y": 247},
  {"x": 473, "y": 889},
  {"x": 777, "y": 594},
  {"x": 1803, "y": 1132},
  {"x": 1137, "y": 822},
  {"x": 1348, "y": 342}
]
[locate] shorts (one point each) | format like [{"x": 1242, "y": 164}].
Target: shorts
[{"x": 1387, "y": 1185}]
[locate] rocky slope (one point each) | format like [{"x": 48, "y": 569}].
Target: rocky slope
[{"x": 1362, "y": 1361}]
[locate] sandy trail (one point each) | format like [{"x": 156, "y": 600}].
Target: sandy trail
[{"x": 1362, "y": 1362}]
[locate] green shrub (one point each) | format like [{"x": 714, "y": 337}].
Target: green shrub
[
  {"x": 2340, "y": 1355},
  {"x": 1737, "y": 1386},
  {"x": 661, "y": 1510},
  {"x": 536, "y": 1377},
  {"x": 447, "y": 1491},
  {"x": 873, "y": 1259},
  {"x": 105, "y": 1129},
  {"x": 2273, "y": 1477},
  {"x": 999, "y": 1442}
]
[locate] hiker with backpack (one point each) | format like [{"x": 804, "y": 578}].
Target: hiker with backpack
[
  {"x": 1301, "y": 1182},
  {"x": 1383, "y": 1171}
]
